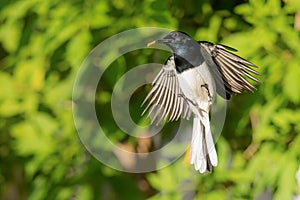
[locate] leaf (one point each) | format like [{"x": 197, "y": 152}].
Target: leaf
[
  {"x": 291, "y": 86},
  {"x": 10, "y": 36},
  {"x": 29, "y": 74},
  {"x": 287, "y": 180},
  {"x": 35, "y": 137},
  {"x": 78, "y": 48}
]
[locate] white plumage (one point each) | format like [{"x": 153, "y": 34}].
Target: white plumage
[
  {"x": 200, "y": 93},
  {"x": 176, "y": 95}
]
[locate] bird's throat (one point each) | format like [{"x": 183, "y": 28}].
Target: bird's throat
[{"x": 182, "y": 64}]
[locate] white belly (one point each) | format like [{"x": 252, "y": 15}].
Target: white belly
[{"x": 192, "y": 83}]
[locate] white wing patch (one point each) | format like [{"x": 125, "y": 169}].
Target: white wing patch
[{"x": 167, "y": 96}]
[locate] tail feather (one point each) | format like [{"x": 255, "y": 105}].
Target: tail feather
[
  {"x": 203, "y": 152},
  {"x": 209, "y": 140}
]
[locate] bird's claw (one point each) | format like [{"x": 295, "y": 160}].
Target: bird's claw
[{"x": 209, "y": 96}]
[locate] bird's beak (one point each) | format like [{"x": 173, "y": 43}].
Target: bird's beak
[
  {"x": 151, "y": 43},
  {"x": 160, "y": 41}
]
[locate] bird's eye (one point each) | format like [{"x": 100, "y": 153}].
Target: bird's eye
[{"x": 174, "y": 35}]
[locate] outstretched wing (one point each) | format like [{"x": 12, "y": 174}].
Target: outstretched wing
[
  {"x": 228, "y": 69},
  {"x": 166, "y": 98}
]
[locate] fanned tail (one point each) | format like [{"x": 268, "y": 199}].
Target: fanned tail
[{"x": 203, "y": 152}]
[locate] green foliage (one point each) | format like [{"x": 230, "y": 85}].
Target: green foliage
[{"x": 43, "y": 43}]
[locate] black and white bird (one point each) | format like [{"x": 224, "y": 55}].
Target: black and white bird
[{"x": 188, "y": 83}]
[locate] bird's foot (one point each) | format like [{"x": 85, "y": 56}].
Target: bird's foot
[
  {"x": 186, "y": 99},
  {"x": 208, "y": 93}
]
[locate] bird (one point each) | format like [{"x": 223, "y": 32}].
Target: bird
[{"x": 188, "y": 83}]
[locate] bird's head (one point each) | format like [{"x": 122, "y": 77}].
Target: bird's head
[
  {"x": 182, "y": 45},
  {"x": 176, "y": 40}
]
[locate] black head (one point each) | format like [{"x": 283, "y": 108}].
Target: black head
[
  {"x": 184, "y": 48},
  {"x": 176, "y": 40}
]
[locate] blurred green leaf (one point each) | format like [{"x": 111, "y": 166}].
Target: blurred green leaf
[
  {"x": 42, "y": 45},
  {"x": 291, "y": 87}
]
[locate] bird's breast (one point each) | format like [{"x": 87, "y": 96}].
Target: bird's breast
[
  {"x": 196, "y": 86},
  {"x": 188, "y": 80}
]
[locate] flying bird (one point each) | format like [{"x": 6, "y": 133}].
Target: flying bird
[{"x": 188, "y": 83}]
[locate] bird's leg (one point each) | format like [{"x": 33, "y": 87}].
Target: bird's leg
[
  {"x": 186, "y": 99},
  {"x": 192, "y": 102},
  {"x": 206, "y": 87}
]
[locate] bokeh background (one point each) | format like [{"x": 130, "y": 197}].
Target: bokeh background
[{"x": 43, "y": 43}]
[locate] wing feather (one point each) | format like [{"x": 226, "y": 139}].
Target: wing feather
[
  {"x": 165, "y": 97},
  {"x": 229, "y": 68}
]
